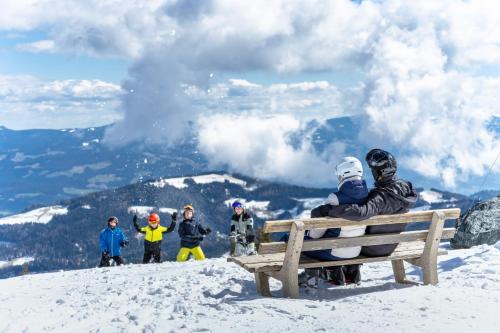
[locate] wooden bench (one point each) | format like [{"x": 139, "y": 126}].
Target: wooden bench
[{"x": 282, "y": 260}]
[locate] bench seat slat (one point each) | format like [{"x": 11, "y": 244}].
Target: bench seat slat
[
  {"x": 274, "y": 262},
  {"x": 316, "y": 223},
  {"x": 334, "y": 243}
]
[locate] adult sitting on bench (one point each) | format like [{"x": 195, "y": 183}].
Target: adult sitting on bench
[
  {"x": 390, "y": 196},
  {"x": 351, "y": 189}
]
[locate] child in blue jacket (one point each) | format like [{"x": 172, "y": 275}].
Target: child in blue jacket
[{"x": 111, "y": 240}]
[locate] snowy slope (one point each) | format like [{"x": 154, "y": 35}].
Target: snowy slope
[
  {"x": 215, "y": 296},
  {"x": 15, "y": 262},
  {"x": 40, "y": 215},
  {"x": 179, "y": 182}
]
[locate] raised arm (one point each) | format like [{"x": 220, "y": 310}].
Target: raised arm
[
  {"x": 136, "y": 225},
  {"x": 171, "y": 227}
]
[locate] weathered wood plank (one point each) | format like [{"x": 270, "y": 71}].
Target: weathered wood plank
[
  {"x": 429, "y": 256},
  {"x": 291, "y": 262},
  {"x": 262, "y": 284},
  {"x": 359, "y": 260},
  {"x": 325, "y": 222},
  {"x": 334, "y": 243},
  {"x": 305, "y": 262},
  {"x": 398, "y": 268},
  {"x": 258, "y": 258}
]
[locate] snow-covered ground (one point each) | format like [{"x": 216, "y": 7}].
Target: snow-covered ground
[
  {"x": 216, "y": 296},
  {"x": 39, "y": 215}
]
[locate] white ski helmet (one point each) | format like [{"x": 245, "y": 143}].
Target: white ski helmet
[{"x": 348, "y": 167}]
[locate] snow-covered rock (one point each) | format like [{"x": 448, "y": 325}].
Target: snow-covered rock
[
  {"x": 480, "y": 225},
  {"x": 40, "y": 215},
  {"x": 216, "y": 296}
]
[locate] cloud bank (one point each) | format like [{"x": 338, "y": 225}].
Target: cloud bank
[
  {"x": 28, "y": 102},
  {"x": 426, "y": 89}
]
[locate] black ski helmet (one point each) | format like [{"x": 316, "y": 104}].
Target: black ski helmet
[{"x": 382, "y": 164}]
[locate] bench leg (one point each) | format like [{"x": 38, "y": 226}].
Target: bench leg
[
  {"x": 291, "y": 286},
  {"x": 429, "y": 257},
  {"x": 262, "y": 282},
  {"x": 399, "y": 271},
  {"x": 429, "y": 269}
]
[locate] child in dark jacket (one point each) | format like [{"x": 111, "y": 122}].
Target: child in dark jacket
[
  {"x": 111, "y": 240},
  {"x": 153, "y": 236},
  {"x": 191, "y": 234}
]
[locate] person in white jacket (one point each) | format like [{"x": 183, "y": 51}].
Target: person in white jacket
[{"x": 351, "y": 189}]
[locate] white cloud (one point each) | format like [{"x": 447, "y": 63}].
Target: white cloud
[
  {"x": 41, "y": 46},
  {"x": 260, "y": 146},
  {"x": 28, "y": 102}
]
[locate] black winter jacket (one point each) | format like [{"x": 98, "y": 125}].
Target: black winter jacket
[
  {"x": 395, "y": 196},
  {"x": 191, "y": 233}
]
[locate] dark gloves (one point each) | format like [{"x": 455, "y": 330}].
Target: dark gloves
[
  {"x": 174, "y": 216},
  {"x": 200, "y": 238},
  {"x": 250, "y": 238},
  {"x": 208, "y": 230},
  {"x": 105, "y": 255},
  {"x": 135, "y": 219},
  {"x": 320, "y": 211},
  {"x": 239, "y": 239},
  {"x": 124, "y": 243}
]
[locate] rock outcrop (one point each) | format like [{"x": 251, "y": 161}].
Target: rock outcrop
[{"x": 479, "y": 225}]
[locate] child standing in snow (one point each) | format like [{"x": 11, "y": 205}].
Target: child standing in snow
[
  {"x": 191, "y": 234},
  {"x": 242, "y": 236},
  {"x": 153, "y": 236},
  {"x": 111, "y": 240},
  {"x": 351, "y": 189}
]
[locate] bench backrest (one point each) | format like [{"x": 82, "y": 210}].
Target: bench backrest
[{"x": 436, "y": 216}]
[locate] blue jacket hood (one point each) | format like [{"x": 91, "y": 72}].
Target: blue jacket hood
[{"x": 355, "y": 189}]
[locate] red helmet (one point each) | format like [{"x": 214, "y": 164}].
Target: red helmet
[{"x": 154, "y": 218}]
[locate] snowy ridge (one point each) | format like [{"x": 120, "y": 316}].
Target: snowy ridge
[
  {"x": 259, "y": 208},
  {"x": 40, "y": 215},
  {"x": 16, "y": 262},
  {"x": 216, "y": 296},
  {"x": 143, "y": 211},
  {"x": 203, "y": 179}
]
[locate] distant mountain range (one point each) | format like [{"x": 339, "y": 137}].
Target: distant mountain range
[
  {"x": 65, "y": 236},
  {"x": 40, "y": 167}
]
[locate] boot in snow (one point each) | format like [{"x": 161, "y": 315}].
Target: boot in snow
[
  {"x": 335, "y": 275},
  {"x": 309, "y": 278},
  {"x": 352, "y": 274}
]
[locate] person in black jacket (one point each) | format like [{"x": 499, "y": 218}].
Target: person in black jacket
[
  {"x": 390, "y": 196},
  {"x": 191, "y": 234}
]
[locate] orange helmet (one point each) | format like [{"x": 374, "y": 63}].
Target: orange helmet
[
  {"x": 154, "y": 218},
  {"x": 189, "y": 207}
]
